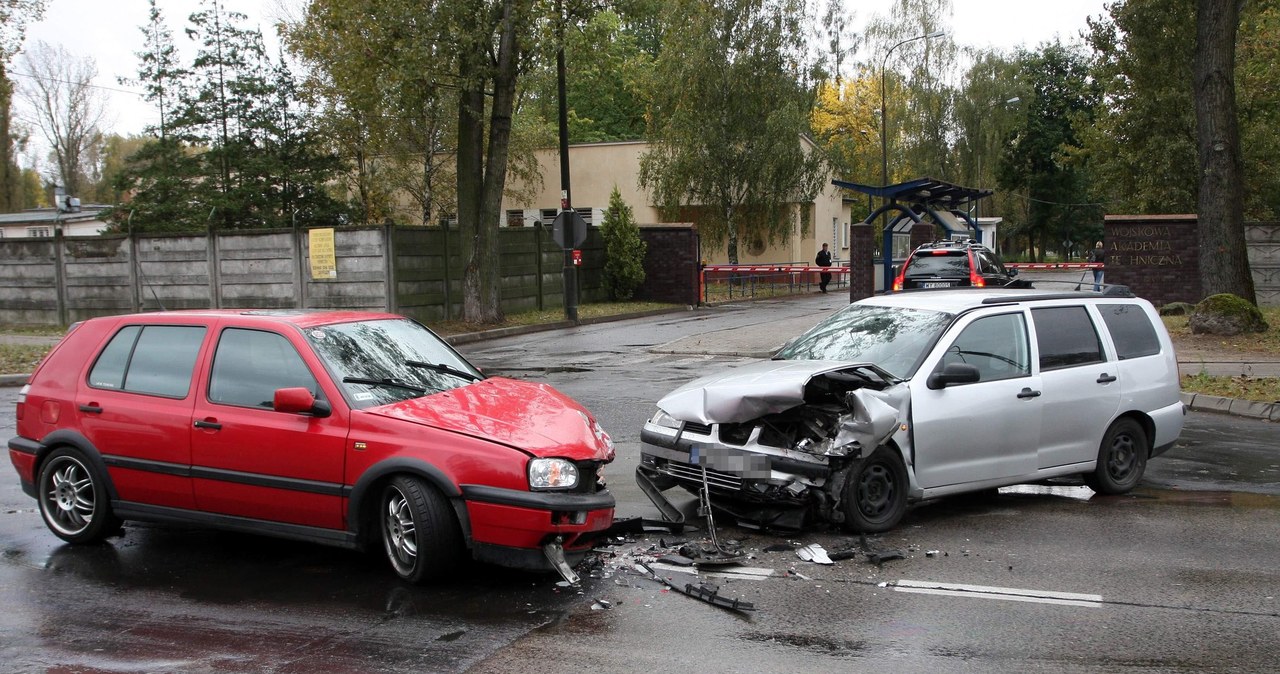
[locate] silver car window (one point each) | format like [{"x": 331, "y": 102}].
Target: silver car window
[
  {"x": 1066, "y": 337},
  {"x": 996, "y": 345}
]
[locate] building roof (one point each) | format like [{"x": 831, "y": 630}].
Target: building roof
[
  {"x": 920, "y": 190},
  {"x": 51, "y": 216}
]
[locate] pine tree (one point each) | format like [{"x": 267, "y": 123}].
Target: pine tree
[
  {"x": 624, "y": 250},
  {"x": 235, "y": 150}
]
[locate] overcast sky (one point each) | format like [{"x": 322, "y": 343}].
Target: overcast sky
[{"x": 107, "y": 30}]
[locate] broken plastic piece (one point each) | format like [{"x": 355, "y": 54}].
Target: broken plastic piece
[
  {"x": 639, "y": 525},
  {"x": 554, "y": 552},
  {"x": 711, "y": 594},
  {"x": 701, "y": 591},
  {"x": 847, "y": 553},
  {"x": 668, "y": 510},
  {"x": 814, "y": 553},
  {"x": 718, "y": 558},
  {"x": 881, "y": 556}
]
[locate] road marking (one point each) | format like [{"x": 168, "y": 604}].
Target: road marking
[{"x": 1004, "y": 593}]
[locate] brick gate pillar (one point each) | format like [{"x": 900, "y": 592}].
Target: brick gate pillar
[{"x": 862, "y": 266}]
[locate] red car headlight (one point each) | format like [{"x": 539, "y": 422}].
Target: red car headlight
[{"x": 552, "y": 474}]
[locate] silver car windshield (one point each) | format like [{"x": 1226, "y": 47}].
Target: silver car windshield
[
  {"x": 385, "y": 361},
  {"x": 894, "y": 338}
]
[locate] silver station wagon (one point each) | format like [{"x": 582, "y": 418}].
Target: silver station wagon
[{"x": 904, "y": 397}]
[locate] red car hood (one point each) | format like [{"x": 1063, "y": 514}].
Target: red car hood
[{"x": 533, "y": 417}]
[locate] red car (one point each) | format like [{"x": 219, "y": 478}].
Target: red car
[{"x": 352, "y": 429}]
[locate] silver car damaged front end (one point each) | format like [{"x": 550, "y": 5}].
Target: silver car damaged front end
[{"x": 773, "y": 441}]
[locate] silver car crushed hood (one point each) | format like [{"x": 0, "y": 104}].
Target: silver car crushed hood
[{"x": 757, "y": 389}]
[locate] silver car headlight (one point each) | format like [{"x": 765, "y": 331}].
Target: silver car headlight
[
  {"x": 664, "y": 420},
  {"x": 552, "y": 474}
]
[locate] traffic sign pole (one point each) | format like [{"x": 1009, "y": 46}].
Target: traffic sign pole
[{"x": 569, "y": 231}]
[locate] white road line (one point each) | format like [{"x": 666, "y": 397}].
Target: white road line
[{"x": 1004, "y": 593}]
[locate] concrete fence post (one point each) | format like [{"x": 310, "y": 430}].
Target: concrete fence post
[
  {"x": 299, "y": 270},
  {"x": 215, "y": 281},
  {"x": 448, "y": 277},
  {"x": 389, "y": 267},
  {"x": 135, "y": 289},
  {"x": 60, "y": 275},
  {"x": 537, "y": 256}
]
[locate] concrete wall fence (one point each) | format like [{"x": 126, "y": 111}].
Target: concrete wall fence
[{"x": 416, "y": 271}]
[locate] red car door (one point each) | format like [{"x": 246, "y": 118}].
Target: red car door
[
  {"x": 134, "y": 406},
  {"x": 251, "y": 461}
]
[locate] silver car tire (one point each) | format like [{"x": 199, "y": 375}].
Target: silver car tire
[
  {"x": 1122, "y": 458},
  {"x": 875, "y": 497}
]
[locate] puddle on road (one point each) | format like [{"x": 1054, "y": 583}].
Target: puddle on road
[
  {"x": 830, "y": 646},
  {"x": 1222, "y": 499},
  {"x": 1226, "y": 499}
]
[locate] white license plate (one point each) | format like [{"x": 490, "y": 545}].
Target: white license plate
[{"x": 936, "y": 284}]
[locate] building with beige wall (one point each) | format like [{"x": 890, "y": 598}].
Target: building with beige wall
[{"x": 596, "y": 168}]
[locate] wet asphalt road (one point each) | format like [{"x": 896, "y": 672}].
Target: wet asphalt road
[{"x": 1181, "y": 575}]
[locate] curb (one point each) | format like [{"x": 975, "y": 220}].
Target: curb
[
  {"x": 1252, "y": 409},
  {"x": 14, "y": 379}
]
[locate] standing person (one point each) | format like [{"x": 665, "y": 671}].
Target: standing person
[
  {"x": 824, "y": 260},
  {"x": 1097, "y": 255}
]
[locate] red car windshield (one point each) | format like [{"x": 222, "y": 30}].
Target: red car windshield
[{"x": 386, "y": 361}]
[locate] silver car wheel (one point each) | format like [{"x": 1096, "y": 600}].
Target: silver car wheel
[
  {"x": 399, "y": 532},
  {"x": 68, "y": 496}
]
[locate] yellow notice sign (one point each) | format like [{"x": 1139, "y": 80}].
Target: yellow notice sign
[{"x": 323, "y": 263}]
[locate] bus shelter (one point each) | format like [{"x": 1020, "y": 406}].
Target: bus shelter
[{"x": 910, "y": 203}]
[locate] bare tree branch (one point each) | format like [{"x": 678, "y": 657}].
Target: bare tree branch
[{"x": 65, "y": 106}]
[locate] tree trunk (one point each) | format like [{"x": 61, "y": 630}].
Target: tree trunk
[
  {"x": 472, "y": 69},
  {"x": 732, "y": 229},
  {"x": 428, "y": 170},
  {"x": 480, "y": 182},
  {"x": 1224, "y": 263},
  {"x": 470, "y": 186}
]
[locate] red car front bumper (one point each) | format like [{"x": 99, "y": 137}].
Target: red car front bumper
[{"x": 511, "y": 527}]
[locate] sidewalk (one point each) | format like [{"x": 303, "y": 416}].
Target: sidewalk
[{"x": 751, "y": 342}]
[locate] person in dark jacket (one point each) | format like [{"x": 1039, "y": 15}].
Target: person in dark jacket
[
  {"x": 824, "y": 260},
  {"x": 1097, "y": 255}
]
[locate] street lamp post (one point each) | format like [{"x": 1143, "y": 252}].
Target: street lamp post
[
  {"x": 884, "y": 135},
  {"x": 884, "y": 151},
  {"x": 871, "y": 208},
  {"x": 982, "y": 147}
]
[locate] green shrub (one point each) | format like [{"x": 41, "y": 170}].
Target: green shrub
[{"x": 623, "y": 249}]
